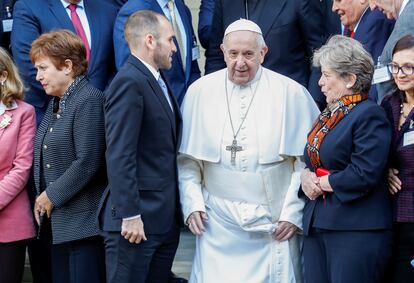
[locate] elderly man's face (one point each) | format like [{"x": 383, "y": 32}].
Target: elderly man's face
[
  {"x": 350, "y": 11},
  {"x": 243, "y": 56},
  {"x": 387, "y": 7}
]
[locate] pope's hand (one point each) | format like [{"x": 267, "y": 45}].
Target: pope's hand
[
  {"x": 285, "y": 230},
  {"x": 133, "y": 230},
  {"x": 195, "y": 222},
  {"x": 310, "y": 184}
]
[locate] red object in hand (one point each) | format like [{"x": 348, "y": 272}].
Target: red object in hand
[{"x": 322, "y": 172}]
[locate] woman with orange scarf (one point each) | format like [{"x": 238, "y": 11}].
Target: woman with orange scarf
[{"x": 347, "y": 218}]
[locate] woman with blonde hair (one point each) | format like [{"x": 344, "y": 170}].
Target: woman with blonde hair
[{"x": 17, "y": 130}]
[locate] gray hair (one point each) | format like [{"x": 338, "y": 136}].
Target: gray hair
[
  {"x": 259, "y": 40},
  {"x": 347, "y": 56},
  {"x": 141, "y": 23}
]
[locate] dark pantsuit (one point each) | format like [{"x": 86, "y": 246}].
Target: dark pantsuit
[
  {"x": 79, "y": 261},
  {"x": 148, "y": 261},
  {"x": 346, "y": 256},
  {"x": 402, "y": 270},
  {"x": 12, "y": 256}
]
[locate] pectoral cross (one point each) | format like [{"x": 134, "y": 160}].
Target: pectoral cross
[{"x": 234, "y": 148}]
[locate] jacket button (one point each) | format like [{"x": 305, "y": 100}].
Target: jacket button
[
  {"x": 44, "y": 146},
  {"x": 48, "y": 166}
]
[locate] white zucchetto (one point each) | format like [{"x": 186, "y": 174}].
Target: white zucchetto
[{"x": 243, "y": 24}]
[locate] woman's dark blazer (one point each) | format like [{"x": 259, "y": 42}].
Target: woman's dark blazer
[
  {"x": 355, "y": 152},
  {"x": 73, "y": 167}
]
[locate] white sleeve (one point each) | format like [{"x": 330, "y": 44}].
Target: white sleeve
[
  {"x": 190, "y": 185},
  {"x": 292, "y": 209}
]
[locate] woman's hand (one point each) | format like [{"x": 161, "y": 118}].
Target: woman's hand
[
  {"x": 394, "y": 183},
  {"x": 43, "y": 205},
  {"x": 195, "y": 222},
  {"x": 324, "y": 184},
  {"x": 310, "y": 184}
]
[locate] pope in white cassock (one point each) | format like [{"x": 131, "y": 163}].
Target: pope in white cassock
[{"x": 244, "y": 133}]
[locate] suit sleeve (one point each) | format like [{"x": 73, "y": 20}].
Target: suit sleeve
[
  {"x": 124, "y": 107},
  {"x": 26, "y": 29},
  {"x": 314, "y": 34},
  {"x": 205, "y": 17},
  {"x": 89, "y": 141},
  {"x": 195, "y": 70},
  {"x": 120, "y": 44},
  {"x": 371, "y": 143},
  {"x": 214, "y": 56},
  {"x": 15, "y": 180}
]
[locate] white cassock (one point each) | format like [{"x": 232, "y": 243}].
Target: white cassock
[{"x": 244, "y": 201}]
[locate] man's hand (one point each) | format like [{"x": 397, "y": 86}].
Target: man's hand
[
  {"x": 195, "y": 222},
  {"x": 285, "y": 230},
  {"x": 43, "y": 205},
  {"x": 133, "y": 230}
]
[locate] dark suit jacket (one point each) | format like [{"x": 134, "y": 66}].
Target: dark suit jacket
[
  {"x": 205, "y": 17},
  {"x": 355, "y": 152},
  {"x": 292, "y": 29},
  {"x": 373, "y": 32},
  {"x": 69, "y": 163},
  {"x": 178, "y": 80},
  {"x": 143, "y": 136},
  {"x": 332, "y": 22},
  {"x": 5, "y": 36},
  {"x": 34, "y": 17}
]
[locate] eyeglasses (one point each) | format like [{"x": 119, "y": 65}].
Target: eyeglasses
[{"x": 394, "y": 69}]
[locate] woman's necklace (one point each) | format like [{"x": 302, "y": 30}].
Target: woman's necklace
[{"x": 402, "y": 111}]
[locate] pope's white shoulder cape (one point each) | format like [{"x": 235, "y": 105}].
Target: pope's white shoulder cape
[{"x": 287, "y": 112}]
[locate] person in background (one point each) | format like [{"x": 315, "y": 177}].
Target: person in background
[
  {"x": 371, "y": 28},
  {"x": 6, "y": 19},
  {"x": 347, "y": 218},
  {"x": 69, "y": 159},
  {"x": 402, "y": 11},
  {"x": 17, "y": 130},
  {"x": 399, "y": 108},
  {"x": 184, "y": 70},
  {"x": 92, "y": 20}
]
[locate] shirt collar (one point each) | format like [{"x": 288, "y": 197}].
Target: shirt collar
[
  {"x": 162, "y": 3},
  {"x": 3, "y": 107},
  {"x": 66, "y": 4},
  {"x": 360, "y": 18},
  {"x": 404, "y": 3},
  {"x": 153, "y": 71}
]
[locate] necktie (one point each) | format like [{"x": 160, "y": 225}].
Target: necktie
[
  {"x": 178, "y": 35},
  {"x": 348, "y": 32},
  {"x": 165, "y": 91},
  {"x": 79, "y": 28}
]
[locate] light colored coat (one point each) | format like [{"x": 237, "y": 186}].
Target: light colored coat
[{"x": 16, "y": 156}]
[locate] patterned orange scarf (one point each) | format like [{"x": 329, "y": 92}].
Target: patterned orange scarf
[{"x": 326, "y": 122}]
